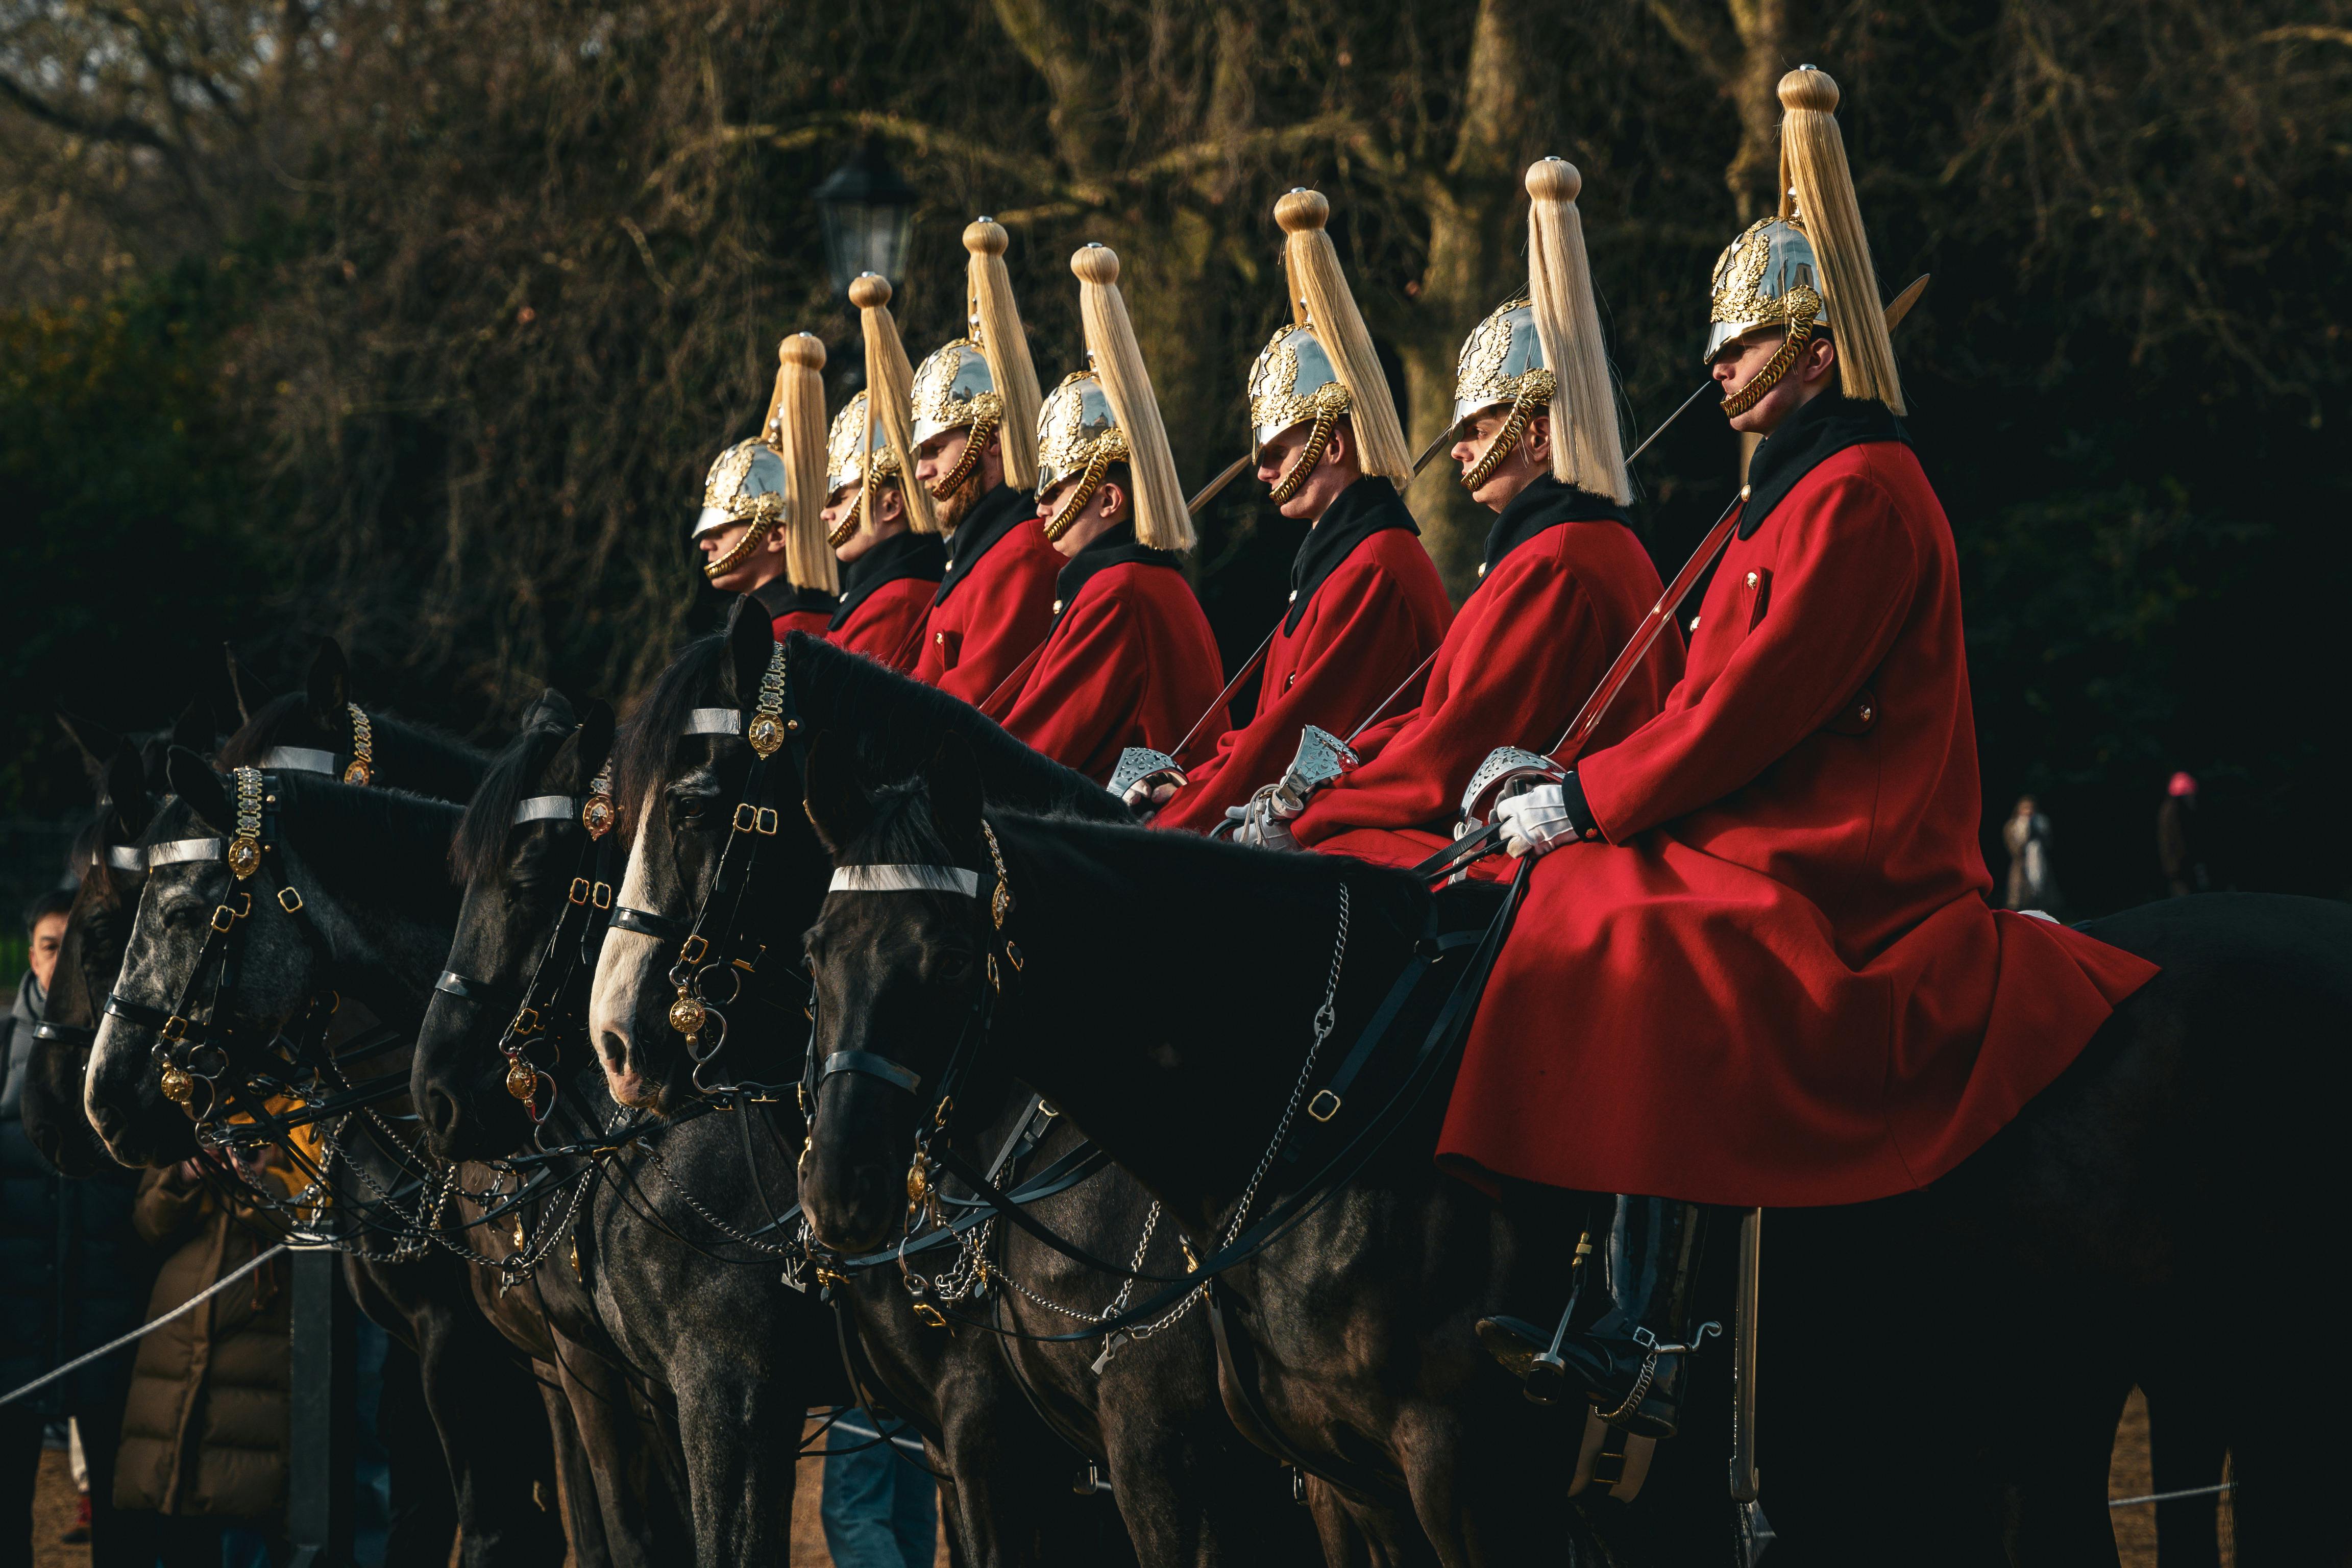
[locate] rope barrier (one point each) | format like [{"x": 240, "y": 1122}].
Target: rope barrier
[
  {"x": 2169, "y": 1497},
  {"x": 182, "y": 1310}
]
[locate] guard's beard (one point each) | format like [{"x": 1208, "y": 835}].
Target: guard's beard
[{"x": 957, "y": 504}]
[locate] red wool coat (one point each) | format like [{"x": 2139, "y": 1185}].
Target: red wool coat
[
  {"x": 1130, "y": 662},
  {"x": 1565, "y": 584},
  {"x": 885, "y": 596},
  {"x": 1366, "y": 609},
  {"x": 1778, "y": 980},
  {"x": 996, "y": 601}
]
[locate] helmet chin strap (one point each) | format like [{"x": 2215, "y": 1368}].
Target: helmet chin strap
[
  {"x": 1536, "y": 389},
  {"x": 1310, "y": 456},
  {"x": 754, "y": 536},
  {"x": 1801, "y": 333},
  {"x": 848, "y": 525},
  {"x": 982, "y": 431}
]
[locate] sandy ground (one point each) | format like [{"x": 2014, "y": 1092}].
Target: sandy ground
[{"x": 53, "y": 1507}]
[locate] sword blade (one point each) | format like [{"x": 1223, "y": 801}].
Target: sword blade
[
  {"x": 1216, "y": 487},
  {"x": 1227, "y": 694}
]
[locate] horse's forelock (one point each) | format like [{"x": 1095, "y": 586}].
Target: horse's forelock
[
  {"x": 641, "y": 750},
  {"x": 482, "y": 831}
]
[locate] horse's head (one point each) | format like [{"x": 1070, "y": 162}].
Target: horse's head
[
  {"x": 903, "y": 962},
  {"x": 205, "y": 942},
  {"x": 240, "y": 929},
  {"x": 525, "y": 859},
  {"x": 321, "y": 730},
  {"x": 681, "y": 770},
  {"x": 98, "y": 930}
]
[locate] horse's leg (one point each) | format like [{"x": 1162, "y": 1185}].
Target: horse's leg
[
  {"x": 583, "y": 1494},
  {"x": 478, "y": 1391}
]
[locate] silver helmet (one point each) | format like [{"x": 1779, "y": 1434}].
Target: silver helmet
[
  {"x": 1292, "y": 383},
  {"x": 1077, "y": 437},
  {"x": 1502, "y": 365}
]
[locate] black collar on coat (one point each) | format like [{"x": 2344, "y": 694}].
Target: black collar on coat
[
  {"x": 994, "y": 515},
  {"x": 908, "y": 555},
  {"x": 1362, "y": 510},
  {"x": 1545, "y": 503},
  {"x": 1116, "y": 548},
  {"x": 1818, "y": 431},
  {"x": 780, "y": 598}
]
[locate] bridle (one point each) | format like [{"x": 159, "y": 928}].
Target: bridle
[
  {"x": 570, "y": 952},
  {"x": 360, "y": 770},
  {"x": 194, "y": 1039},
  {"x": 711, "y": 946}
]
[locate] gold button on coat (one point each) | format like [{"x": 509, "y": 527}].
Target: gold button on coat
[{"x": 1752, "y": 579}]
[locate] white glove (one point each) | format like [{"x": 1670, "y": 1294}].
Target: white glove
[
  {"x": 1264, "y": 822},
  {"x": 1535, "y": 821}
]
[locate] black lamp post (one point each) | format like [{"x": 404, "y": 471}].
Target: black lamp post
[{"x": 868, "y": 210}]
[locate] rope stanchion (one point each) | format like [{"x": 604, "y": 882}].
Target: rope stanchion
[{"x": 182, "y": 1310}]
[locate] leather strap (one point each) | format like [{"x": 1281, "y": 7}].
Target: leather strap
[
  {"x": 645, "y": 922},
  {"x": 873, "y": 1066}
]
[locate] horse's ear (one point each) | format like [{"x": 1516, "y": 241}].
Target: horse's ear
[
  {"x": 193, "y": 781},
  {"x": 952, "y": 779},
  {"x": 553, "y": 711},
  {"x": 837, "y": 804},
  {"x": 329, "y": 683},
  {"x": 597, "y": 725},
  {"x": 94, "y": 740},
  {"x": 126, "y": 790},
  {"x": 247, "y": 688},
  {"x": 750, "y": 643},
  {"x": 194, "y": 727}
]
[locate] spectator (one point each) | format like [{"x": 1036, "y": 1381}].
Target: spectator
[
  {"x": 2032, "y": 884},
  {"x": 73, "y": 1275},
  {"x": 879, "y": 1511},
  {"x": 2180, "y": 846},
  {"x": 205, "y": 1435}
]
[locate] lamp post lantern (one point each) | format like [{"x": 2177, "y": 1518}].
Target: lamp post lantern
[{"x": 868, "y": 210}]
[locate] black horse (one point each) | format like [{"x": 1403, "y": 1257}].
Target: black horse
[
  {"x": 732, "y": 1356},
  {"x": 366, "y": 866},
  {"x": 1945, "y": 1369},
  {"x": 1189, "y": 1491}
]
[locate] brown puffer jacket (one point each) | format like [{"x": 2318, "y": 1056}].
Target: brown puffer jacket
[{"x": 206, "y": 1430}]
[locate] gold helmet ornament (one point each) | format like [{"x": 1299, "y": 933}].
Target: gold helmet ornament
[
  {"x": 1809, "y": 265},
  {"x": 1321, "y": 368},
  {"x": 1540, "y": 351},
  {"x": 855, "y": 453},
  {"x": 1109, "y": 415},
  {"x": 889, "y": 395},
  {"x": 985, "y": 382},
  {"x": 776, "y": 480}
]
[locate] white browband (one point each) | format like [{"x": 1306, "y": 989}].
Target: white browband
[
  {"x": 906, "y": 880},
  {"x": 299, "y": 759},
  {"x": 180, "y": 851},
  {"x": 123, "y": 858},
  {"x": 715, "y": 721},
  {"x": 546, "y": 808}
]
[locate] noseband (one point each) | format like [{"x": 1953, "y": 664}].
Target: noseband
[{"x": 571, "y": 948}]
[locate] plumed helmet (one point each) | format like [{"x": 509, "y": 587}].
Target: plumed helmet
[
  {"x": 1293, "y": 380},
  {"x": 844, "y": 464},
  {"x": 1077, "y": 437},
  {"x": 1502, "y": 362},
  {"x": 1768, "y": 276},
  {"x": 745, "y": 485},
  {"x": 953, "y": 389}
]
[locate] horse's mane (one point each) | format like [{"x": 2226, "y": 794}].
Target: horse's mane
[
  {"x": 482, "y": 831},
  {"x": 641, "y": 749},
  {"x": 373, "y": 837},
  {"x": 896, "y": 725},
  {"x": 422, "y": 745},
  {"x": 899, "y": 723}
]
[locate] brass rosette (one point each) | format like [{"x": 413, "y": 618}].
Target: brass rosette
[
  {"x": 766, "y": 730},
  {"x": 362, "y": 766},
  {"x": 596, "y": 813}
]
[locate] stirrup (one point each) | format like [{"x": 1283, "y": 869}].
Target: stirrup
[{"x": 1528, "y": 1355}]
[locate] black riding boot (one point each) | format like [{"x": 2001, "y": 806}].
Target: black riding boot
[{"x": 1628, "y": 1360}]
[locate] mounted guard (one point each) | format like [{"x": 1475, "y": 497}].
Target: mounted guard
[
  {"x": 975, "y": 435},
  {"x": 760, "y": 532},
  {"x": 1563, "y": 585},
  {"x": 879, "y": 516},
  {"x": 1765, "y": 972},
  {"x": 1366, "y": 606},
  {"x": 1128, "y": 660}
]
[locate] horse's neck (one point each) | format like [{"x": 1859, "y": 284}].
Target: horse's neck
[
  {"x": 382, "y": 950},
  {"x": 428, "y": 764},
  {"x": 1176, "y": 1046}
]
